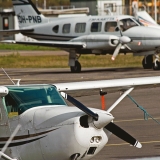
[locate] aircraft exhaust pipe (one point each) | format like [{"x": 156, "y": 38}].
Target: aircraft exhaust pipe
[{"x": 74, "y": 156}]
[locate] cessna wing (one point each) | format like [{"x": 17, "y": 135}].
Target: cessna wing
[
  {"x": 14, "y": 31},
  {"x": 126, "y": 86},
  {"x": 118, "y": 84}
]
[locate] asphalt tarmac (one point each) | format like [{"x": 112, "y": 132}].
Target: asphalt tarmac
[{"x": 126, "y": 114}]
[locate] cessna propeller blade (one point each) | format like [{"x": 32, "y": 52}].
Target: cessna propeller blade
[
  {"x": 80, "y": 106},
  {"x": 122, "y": 134},
  {"x": 100, "y": 119}
]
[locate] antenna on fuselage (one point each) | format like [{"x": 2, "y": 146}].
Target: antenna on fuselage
[{"x": 8, "y": 76}]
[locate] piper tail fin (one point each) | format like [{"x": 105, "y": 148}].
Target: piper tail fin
[{"x": 27, "y": 13}]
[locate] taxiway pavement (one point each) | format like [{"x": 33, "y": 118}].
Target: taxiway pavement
[{"x": 126, "y": 114}]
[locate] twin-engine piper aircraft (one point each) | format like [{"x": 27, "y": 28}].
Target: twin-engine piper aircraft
[
  {"x": 37, "y": 124},
  {"x": 88, "y": 35}
]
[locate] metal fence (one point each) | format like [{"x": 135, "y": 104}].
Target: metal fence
[
  {"x": 128, "y": 10},
  {"x": 61, "y": 7}
]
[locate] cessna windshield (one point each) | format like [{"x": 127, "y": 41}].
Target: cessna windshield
[{"x": 22, "y": 98}]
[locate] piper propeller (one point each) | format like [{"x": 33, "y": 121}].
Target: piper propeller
[{"x": 122, "y": 42}]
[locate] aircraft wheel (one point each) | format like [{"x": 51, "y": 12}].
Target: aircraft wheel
[
  {"x": 76, "y": 68},
  {"x": 148, "y": 63},
  {"x": 156, "y": 67}
]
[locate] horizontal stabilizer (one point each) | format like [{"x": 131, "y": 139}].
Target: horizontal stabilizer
[{"x": 14, "y": 31}]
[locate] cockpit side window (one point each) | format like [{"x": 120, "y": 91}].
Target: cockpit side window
[
  {"x": 20, "y": 99},
  {"x": 125, "y": 24},
  {"x": 110, "y": 27}
]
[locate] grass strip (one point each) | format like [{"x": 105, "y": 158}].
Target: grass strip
[{"x": 61, "y": 61}]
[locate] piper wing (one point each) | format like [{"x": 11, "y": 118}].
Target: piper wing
[
  {"x": 14, "y": 31},
  {"x": 118, "y": 84},
  {"x": 61, "y": 44}
]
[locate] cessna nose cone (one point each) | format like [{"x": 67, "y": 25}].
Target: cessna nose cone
[{"x": 103, "y": 120}]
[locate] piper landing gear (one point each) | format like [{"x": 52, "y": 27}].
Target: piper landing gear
[
  {"x": 147, "y": 62},
  {"x": 156, "y": 64},
  {"x": 76, "y": 68}
]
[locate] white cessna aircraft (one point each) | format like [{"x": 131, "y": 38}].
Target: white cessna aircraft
[
  {"x": 37, "y": 124},
  {"x": 88, "y": 34}
]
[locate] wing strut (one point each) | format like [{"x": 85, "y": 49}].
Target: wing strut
[
  {"x": 146, "y": 114},
  {"x": 120, "y": 99},
  {"x": 2, "y": 154}
]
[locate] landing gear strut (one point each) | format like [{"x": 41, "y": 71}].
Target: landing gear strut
[{"x": 75, "y": 66}]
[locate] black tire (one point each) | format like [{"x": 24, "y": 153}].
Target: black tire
[
  {"x": 76, "y": 68},
  {"x": 149, "y": 62}
]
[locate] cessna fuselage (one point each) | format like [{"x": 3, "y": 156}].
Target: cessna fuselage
[{"x": 49, "y": 128}]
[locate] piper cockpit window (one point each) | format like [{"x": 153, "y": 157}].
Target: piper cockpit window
[
  {"x": 22, "y": 98},
  {"x": 125, "y": 24}
]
